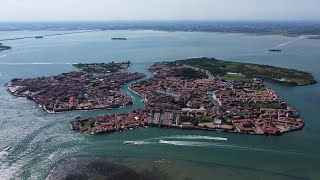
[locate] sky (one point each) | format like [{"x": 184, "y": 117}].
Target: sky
[{"x": 109, "y": 10}]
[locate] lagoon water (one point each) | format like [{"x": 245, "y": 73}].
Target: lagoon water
[{"x": 40, "y": 140}]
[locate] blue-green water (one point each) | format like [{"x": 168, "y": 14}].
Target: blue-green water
[{"x": 40, "y": 140}]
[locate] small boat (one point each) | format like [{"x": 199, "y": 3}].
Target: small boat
[
  {"x": 7, "y": 148},
  {"x": 275, "y": 50},
  {"x": 128, "y": 142}
]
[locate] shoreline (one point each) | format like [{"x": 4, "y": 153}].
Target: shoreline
[{"x": 181, "y": 127}]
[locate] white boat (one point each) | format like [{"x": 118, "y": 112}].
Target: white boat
[
  {"x": 128, "y": 142},
  {"x": 7, "y": 148}
]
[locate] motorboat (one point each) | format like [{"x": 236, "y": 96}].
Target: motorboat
[{"x": 128, "y": 142}]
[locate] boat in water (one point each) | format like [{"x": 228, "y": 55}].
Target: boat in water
[
  {"x": 128, "y": 142},
  {"x": 2, "y": 47},
  {"x": 7, "y": 148},
  {"x": 275, "y": 50}
]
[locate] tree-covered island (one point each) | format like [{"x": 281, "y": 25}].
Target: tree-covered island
[
  {"x": 103, "y": 68},
  {"x": 245, "y": 71}
]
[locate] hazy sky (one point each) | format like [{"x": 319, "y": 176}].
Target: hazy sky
[{"x": 57, "y": 10}]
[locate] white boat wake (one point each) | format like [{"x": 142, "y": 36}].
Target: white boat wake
[
  {"x": 197, "y": 137},
  {"x": 185, "y": 143},
  {"x": 191, "y": 137},
  {"x": 289, "y": 42}
]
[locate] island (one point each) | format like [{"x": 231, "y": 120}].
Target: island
[
  {"x": 3, "y": 48},
  {"x": 75, "y": 91},
  {"x": 244, "y": 71},
  {"x": 119, "y": 38},
  {"x": 198, "y": 93},
  {"x": 188, "y": 97},
  {"x": 314, "y": 37},
  {"x": 103, "y": 68}
]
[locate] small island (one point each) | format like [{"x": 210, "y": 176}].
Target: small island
[
  {"x": 119, "y": 38},
  {"x": 314, "y": 37},
  {"x": 75, "y": 91},
  {"x": 186, "y": 97},
  {"x": 3, "y": 48},
  {"x": 245, "y": 71},
  {"x": 103, "y": 68}
]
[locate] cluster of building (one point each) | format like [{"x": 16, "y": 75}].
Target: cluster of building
[
  {"x": 164, "y": 89},
  {"x": 75, "y": 91},
  {"x": 207, "y": 103},
  {"x": 128, "y": 120},
  {"x": 255, "y": 109}
]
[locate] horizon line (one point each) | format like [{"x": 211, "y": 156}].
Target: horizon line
[{"x": 164, "y": 20}]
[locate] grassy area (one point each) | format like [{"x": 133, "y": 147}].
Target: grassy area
[
  {"x": 194, "y": 120},
  {"x": 258, "y": 88},
  {"x": 235, "y": 78},
  {"x": 264, "y": 72},
  {"x": 267, "y": 105},
  {"x": 87, "y": 124},
  {"x": 188, "y": 73}
]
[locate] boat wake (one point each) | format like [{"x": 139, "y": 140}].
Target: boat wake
[
  {"x": 185, "y": 143},
  {"x": 2, "y": 154},
  {"x": 289, "y": 42},
  {"x": 197, "y": 137},
  {"x": 190, "y": 137},
  {"x": 233, "y": 147}
]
